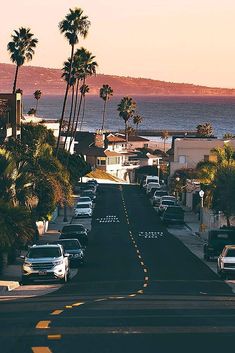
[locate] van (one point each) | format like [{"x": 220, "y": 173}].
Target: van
[{"x": 150, "y": 179}]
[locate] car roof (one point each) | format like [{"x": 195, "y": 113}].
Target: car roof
[{"x": 44, "y": 246}]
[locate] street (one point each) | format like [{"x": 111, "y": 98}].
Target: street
[{"x": 141, "y": 290}]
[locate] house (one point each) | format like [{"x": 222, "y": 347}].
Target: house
[
  {"x": 189, "y": 151},
  {"x": 10, "y": 115}
]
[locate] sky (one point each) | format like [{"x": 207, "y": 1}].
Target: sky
[{"x": 190, "y": 41}]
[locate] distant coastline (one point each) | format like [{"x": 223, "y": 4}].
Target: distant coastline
[{"x": 49, "y": 81}]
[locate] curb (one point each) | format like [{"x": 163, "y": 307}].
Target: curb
[{"x": 6, "y": 286}]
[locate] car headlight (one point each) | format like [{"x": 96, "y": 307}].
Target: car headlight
[
  {"x": 59, "y": 262},
  {"x": 27, "y": 263}
]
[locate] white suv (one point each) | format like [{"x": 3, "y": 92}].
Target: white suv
[{"x": 45, "y": 262}]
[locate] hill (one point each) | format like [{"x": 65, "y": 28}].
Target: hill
[{"x": 49, "y": 81}]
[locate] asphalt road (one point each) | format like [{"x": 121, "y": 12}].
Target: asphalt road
[{"x": 141, "y": 290}]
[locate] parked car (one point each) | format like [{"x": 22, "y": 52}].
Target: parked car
[
  {"x": 150, "y": 179},
  {"x": 164, "y": 203},
  {"x": 152, "y": 185},
  {"x": 173, "y": 214},
  {"x": 93, "y": 183},
  {"x": 74, "y": 249},
  {"x": 75, "y": 231},
  {"x": 45, "y": 262},
  {"x": 217, "y": 239},
  {"x": 157, "y": 197},
  {"x": 84, "y": 199},
  {"x": 83, "y": 210},
  {"x": 88, "y": 193},
  {"x": 226, "y": 261}
]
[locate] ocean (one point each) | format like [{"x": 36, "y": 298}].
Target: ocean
[{"x": 168, "y": 113}]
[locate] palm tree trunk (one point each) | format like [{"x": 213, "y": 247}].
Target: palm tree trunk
[
  {"x": 36, "y": 107},
  {"x": 70, "y": 118},
  {"x": 126, "y": 133},
  {"x": 76, "y": 124},
  {"x": 164, "y": 145},
  {"x": 65, "y": 100},
  {"x": 83, "y": 112},
  {"x": 15, "y": 79},
  {"x": 104, "y": 114}
]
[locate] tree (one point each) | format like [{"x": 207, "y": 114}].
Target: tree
[
  {"x": 32, "y": 111},
  {"x": 74, "y": 25},
  {"x": 37, "y": 95},
  {"x": 137, "y": 119},
  {"x": 224, "y": 192},
  {"x": 164, "y": 137},
  {"x": 21, "y": 49},
  {"x": 84, "y": 89},
  {"x": 228, "y": 136},
  {"x": 17, "y": 227},
  {"x": 205, "y": 130},
  {"x": 126, "y": 110},
  {"x": 105, "y": 93}
]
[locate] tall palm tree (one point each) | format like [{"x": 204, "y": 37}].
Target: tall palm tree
[
  {"x": 137, "y": 119},
  {"x": 74, "y": 25},
  {"x": 84, "y": 89},
  {"x": 126, "y": 110},
  {"x": 21, "y": 49},
  {"x": 105, "y": 93},
  {"x": 87, "y": 67},
  {"x": 205, "y": 130},
  {"x": 164, "y": 137},
  {"x": 37, "y": 95}
]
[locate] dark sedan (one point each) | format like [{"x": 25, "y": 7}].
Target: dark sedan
[
  {"x": 74, "y": 249},
  {"x": 75, "y": 231}
]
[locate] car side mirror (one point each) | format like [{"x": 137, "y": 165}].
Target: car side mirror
[
  {"x": 22, "y": 257},
  {"x": 66, "y": 255}
]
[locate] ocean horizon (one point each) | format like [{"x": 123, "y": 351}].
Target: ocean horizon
[{"x": 158, "y": 112}]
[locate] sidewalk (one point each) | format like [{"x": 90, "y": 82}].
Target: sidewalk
[{"x": 11, "y": 274}]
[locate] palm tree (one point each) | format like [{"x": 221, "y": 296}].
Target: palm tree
[
  {"x": 37, "y": 95},
  {"x": 205, "y": 130},
  {"x": 87, "y": 67},
  {"x": 105, "y": 93},
  {"x": 164, "y": 137},
  {"x": 21, "y": 49},
  {"x": 74, "y": 25},
  {"x": 137, "y": 119},
  {"x": 84, "y": 89},
  {"x": 126, "y": 110}
]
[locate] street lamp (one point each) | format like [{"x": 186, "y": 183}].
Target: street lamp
[
  {"x": 158, "y": 172},
  {"x": 201, "y": 194},
  {"x": 177, "y": 179}
]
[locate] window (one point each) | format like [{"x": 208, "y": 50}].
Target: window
[
  {"x": 101, "y": 161},
  {"x": 182, "y": 159},
  {"x": 146, "y": 145}
]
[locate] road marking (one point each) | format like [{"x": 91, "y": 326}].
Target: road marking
[
  {"x": 136, "y": 246},
  {"x": 145, "y": 285},
  {"x": 41, "y": 350},
  {"x": 57, "y": 312},
  {"x": 145, "y": 270},
  {"x": 100, "y": 300},
  {"x": 146, "y": 278},
  {"x": 78, "y": 304},
  {"x": 140, "y": 291},
  {"x": 137, "y": 251},
  {"x": 43, "y": 324},
  {"x": 54, "y": 337},
  {"x": 132, "y": 295},
  {"x": 68, "y": 306},
  {"x": 142, "y": 263},
  {"x": 139, "y": 256}
]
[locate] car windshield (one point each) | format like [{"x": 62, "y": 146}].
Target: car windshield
[
  {"x": 83, "y": 205},
  {"x": 230, "y": 253},
  {"x": 84, "y": 199},
  {"x": 73, "y": 228},
  {"x": 168, "y": 202},
  {"x": 70, "y": 244},
  {"x": 36, "y": 253}
]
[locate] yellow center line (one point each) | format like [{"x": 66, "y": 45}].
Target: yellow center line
[
  {"x": 78, "y": 304},
  {"x": 145, "y": 270},
  {"x": 145, "y": 285},
  {"x": 140, "y": 291},
  {"x": 56, "y": 312},
  {"x": 136, "y": 246},
  {"x": 142, "y": 263},
  {"x": 100, "y": 300},
  {"x": 54, "y": 337},
  {"x": 41, "y": 350},
  {"x": 132, "y": 295},
  {"x": 43, "y": 324},
  {"x": 68, "y": 306},
  {"x": 139, "y": 256},
  {"x": 146, "y": 278}
]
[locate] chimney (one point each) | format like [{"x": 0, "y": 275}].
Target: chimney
[{"x": 99, "y": 140}]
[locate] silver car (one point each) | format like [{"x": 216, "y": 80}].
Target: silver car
[{"x": 226, "y": 262}]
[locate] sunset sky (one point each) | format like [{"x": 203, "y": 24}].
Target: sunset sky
[{"x": 172, "y": 40}]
